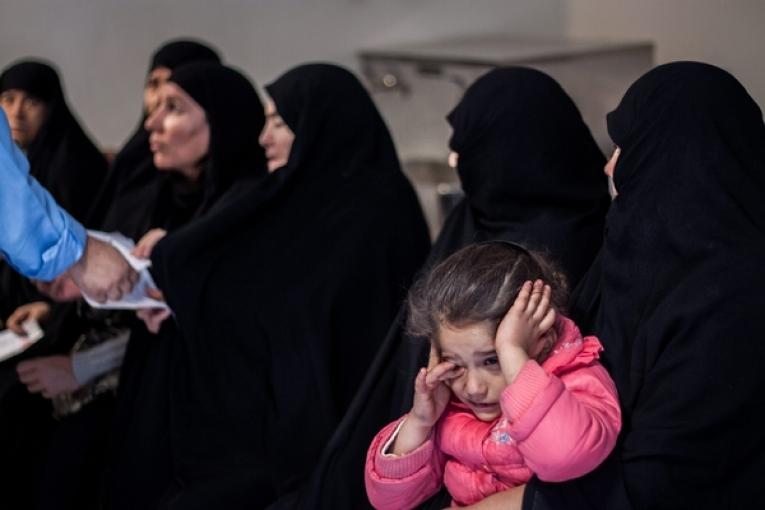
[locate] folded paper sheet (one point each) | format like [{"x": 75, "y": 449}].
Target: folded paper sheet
[{"x": 137, "y": 298}]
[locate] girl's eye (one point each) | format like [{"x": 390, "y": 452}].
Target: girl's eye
[{"x": 491, "y": 361}]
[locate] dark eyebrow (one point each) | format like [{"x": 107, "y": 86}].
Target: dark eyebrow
[{"x": 486, "y": 353}]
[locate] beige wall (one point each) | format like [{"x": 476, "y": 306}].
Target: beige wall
[
  {"x": 103, "y": 46},
  {"x": 730, "y": 34}
]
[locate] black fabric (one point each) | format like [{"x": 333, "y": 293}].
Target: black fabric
[
  {"x": 680, "y": 286},
  {"x": 134, "y": 186},
  {"x": 176, "y": 53},
  {"x": 293, "y": 288},
  {"x": 532, "y": 175},
  {"x": 143, "y": 469}
]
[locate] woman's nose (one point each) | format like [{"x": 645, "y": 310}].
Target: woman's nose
[
  {"x": 152, "y": 121},
  {"x": 15, "y": 110},
  {"x": 265, "y": 136}
]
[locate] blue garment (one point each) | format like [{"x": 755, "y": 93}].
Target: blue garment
[{"x": 38, "y": 238}]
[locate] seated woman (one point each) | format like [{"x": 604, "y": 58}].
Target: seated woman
[
  {"x": 283, "y": 296},
  {"x": 531, "y": 173},
  {"x": 204, "y": 130},
  {"x": 678, "y": 298},
  {"x": 61, "y": 156}
]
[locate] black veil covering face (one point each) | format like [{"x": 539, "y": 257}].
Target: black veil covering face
[
  {"x": 132, "y": 189},
  {"x": 680, "y": 285},
  {"x": 292, "y": 288},
  {"x": 532, "y": 174}
]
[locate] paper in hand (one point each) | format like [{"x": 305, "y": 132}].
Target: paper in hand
[
  {"x": 12, "y": 344},
  {"x": 137, "y": 298}
]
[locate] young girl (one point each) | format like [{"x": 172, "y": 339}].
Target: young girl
[{"x": 512, "y": 388}]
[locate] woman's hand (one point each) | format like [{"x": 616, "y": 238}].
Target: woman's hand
[
  {"x": 147, "y": 243},
  {"x": 526, "y": 330},
  {"x": 37, "y": 311},
  {"x": 510, "y": 499},
  {"x": 431, "y": 395},
  {"x": 154, "y": 317},
  {"x": 51, "y": 376}
]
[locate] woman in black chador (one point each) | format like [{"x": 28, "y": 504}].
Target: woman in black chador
[
  {"x": 204, "y": 129},
  {"x": 283, "y": 296},
  {"x": 677, "y": 298},
  {"x": 532, "y": 174}
]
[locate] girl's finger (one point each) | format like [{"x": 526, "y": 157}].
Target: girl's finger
[
  {"x": 544, "y": 304},
  {"x": 536, "y": 295},
  {"x": 452, "y": 374},
  {"x": 522, "y": 301},
  {"x": 419, "y": 381},
  {"x": 434, "y": 374},
  {"x": 548, "y": 321}
]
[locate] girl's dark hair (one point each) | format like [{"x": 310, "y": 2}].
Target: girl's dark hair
[{"x": 479, "y": 283}]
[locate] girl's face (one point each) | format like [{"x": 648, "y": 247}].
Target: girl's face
[
  {"x": 276, "y": 138},
  {"x": 481, "y": 382},
  {"x": 180, "y": 133},
  {"x": 26, "y": 115}
]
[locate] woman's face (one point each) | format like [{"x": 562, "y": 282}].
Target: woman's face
[
  {"x": 180, "y": 133},
  {"x": 156, "y": 78},
  {"x": 609, "y": 171},
  {"x": 276, "y": 138},
  {"x": 26, "y": 115}
]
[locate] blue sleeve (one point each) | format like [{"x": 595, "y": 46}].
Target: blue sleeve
[{"x": 37, "y": 237}]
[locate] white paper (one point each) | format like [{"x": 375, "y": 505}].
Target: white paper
[
  {"x": 137, "y": 298},
  {"x": 12, "y": 344}
]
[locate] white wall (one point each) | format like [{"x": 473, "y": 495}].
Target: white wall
[
  {"x": 727, "y": 33},
  {"x": 103, "y": 46}
]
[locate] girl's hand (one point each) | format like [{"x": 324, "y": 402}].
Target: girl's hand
[
  {"x": 147, "y": 243},
  {"x": 431, "y": 395},
  {"x": 37, "y": 311},
  {"x": 526, "y": 329}
]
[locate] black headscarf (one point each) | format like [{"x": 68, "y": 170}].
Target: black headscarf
[
  {"x": 532, "y": 174},
  {"x": 680, "y": 284},
  {"x": 61, "y": 157},
  {"x": 293, "y": 287},
  {"x": 134, "y": 186},
  {"x": 147, "y": 407}
]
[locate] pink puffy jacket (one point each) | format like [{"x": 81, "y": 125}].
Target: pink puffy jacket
[{"x": 559, "y": 421}]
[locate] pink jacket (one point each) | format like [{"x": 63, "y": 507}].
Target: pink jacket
[{"x": 559, "y": 421}]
